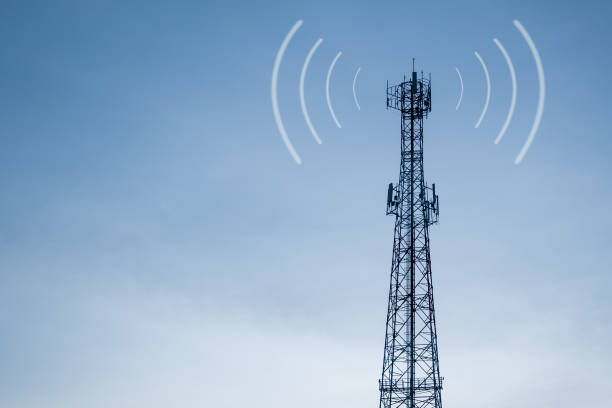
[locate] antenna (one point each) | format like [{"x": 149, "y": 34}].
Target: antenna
[
  {"x": 411, "y": 374},
  {"x": 387, "y": 95}
]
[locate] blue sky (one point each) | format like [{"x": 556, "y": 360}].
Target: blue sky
[{"x": 159, "y": 247}]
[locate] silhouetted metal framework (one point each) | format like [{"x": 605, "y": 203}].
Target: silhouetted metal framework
[{"x": 411, "y": 373}]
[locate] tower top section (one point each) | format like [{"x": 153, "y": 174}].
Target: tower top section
[{"x": 412, "y": 97}]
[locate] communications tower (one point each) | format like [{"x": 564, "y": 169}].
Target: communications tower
[{"x": 411, "y": 374}]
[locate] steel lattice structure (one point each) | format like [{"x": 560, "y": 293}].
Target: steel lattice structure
[{"x": 411, "y": 373}]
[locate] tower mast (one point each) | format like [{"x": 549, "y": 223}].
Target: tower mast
[{"x": 411, "y": 374}]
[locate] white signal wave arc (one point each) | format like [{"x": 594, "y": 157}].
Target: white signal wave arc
[
  {"x": 354, "y": 93},
  {"x": 274, "y": 91},
  {"x": 329, "y": 73},
  {"x": 542, "y": 95},
  {"x": 302, "y": 100},
  {"x": 513, "y": 101},
  {"x": 460, "y": 94},
  {"x": 486, "y": 105}
]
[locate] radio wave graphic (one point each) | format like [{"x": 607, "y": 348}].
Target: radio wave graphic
[
  {"x": 274, "y": 91},
  {"x": 302, "y": 100},
  {"x": 461, "y": 93},
  {"x": 486, "y": 105},
  {"x": 513, "y": 101},
  {"x": 542, "y": 93},
  {"x": 354, "y": 83},
  {"x": 327, "y": 81}
]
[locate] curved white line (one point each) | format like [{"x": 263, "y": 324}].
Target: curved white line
[
  {"x": 302, "y": 100},
  {"x": 354, "y": 93},
  {"x": 329, "y": 105},
  {"x": 274, "y": 91},
  {"x": 486, "y": 105},
  {"x": 513, "y": 101},
  {"x": 461, "y": 94},
  {"x": 542, "y": 96}
]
